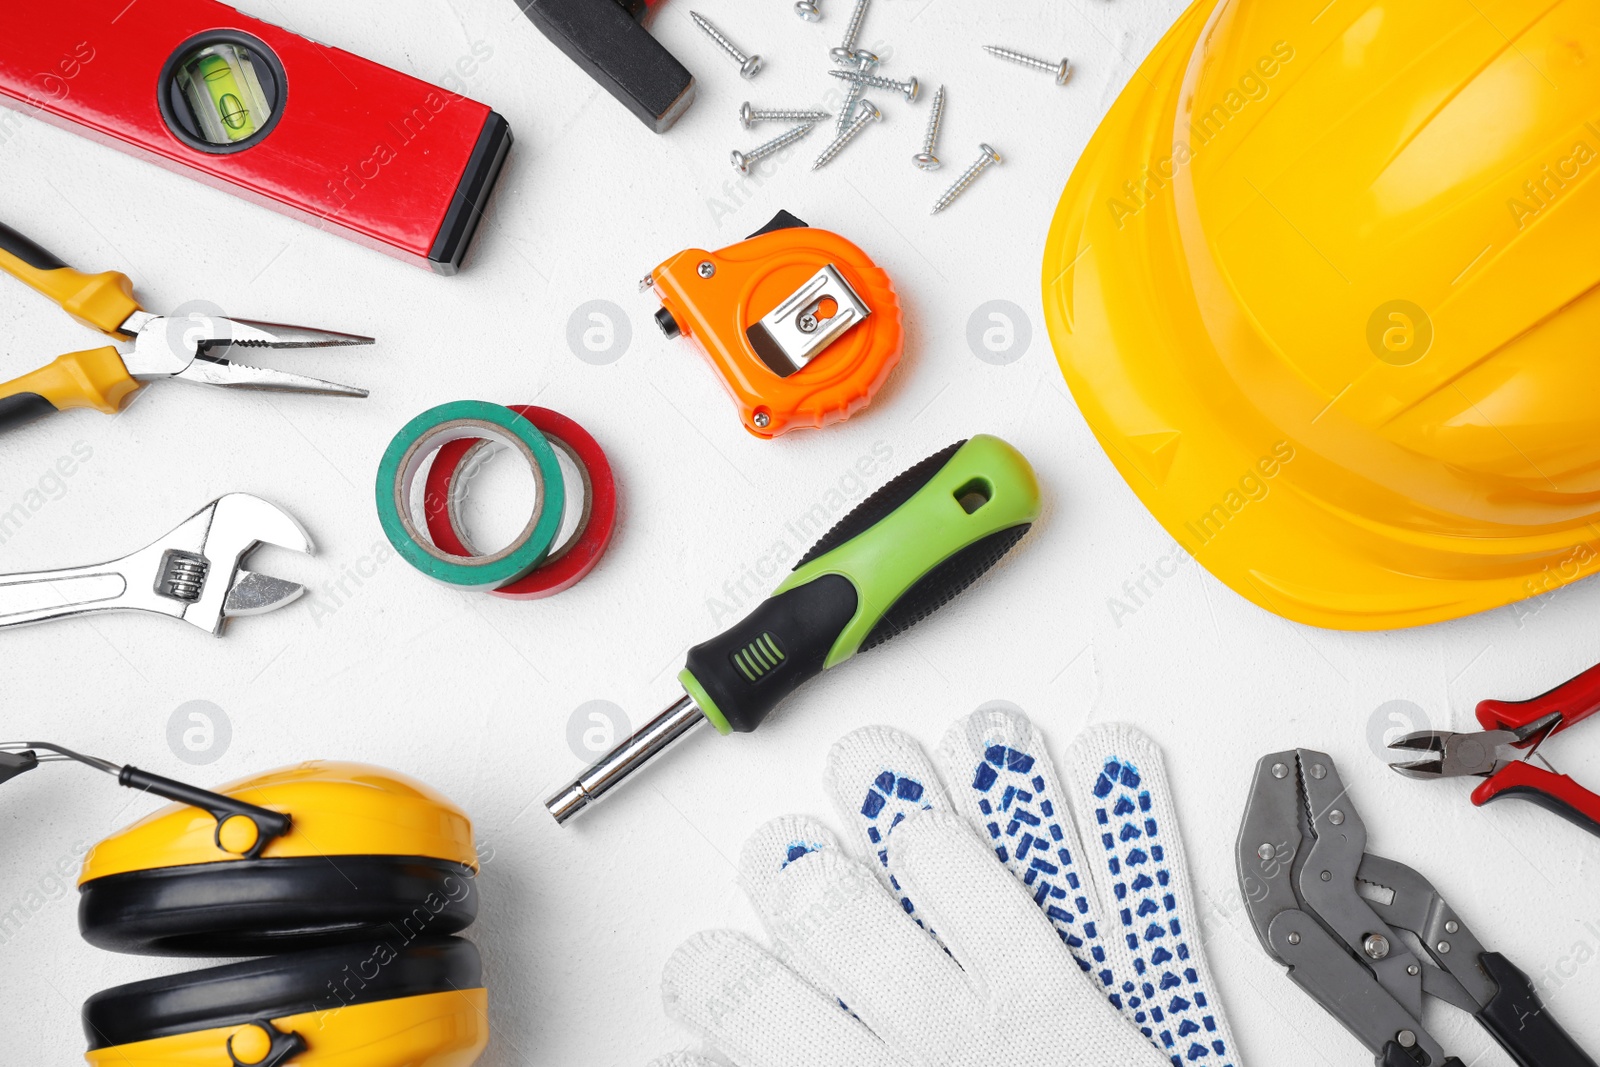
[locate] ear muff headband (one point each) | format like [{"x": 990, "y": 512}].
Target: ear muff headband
[{"x": 322, "y": 983}]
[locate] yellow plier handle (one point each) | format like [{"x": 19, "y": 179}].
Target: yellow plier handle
[{"x": 96, "y": 378}]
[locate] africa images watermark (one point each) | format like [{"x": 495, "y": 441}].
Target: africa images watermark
[
  {"x": 54, "y": 884},
  {"x": 352, "y": 178},
  {"x": 1252, "y": 487},
  {"x": 347, "y": 986},
  {"x": 1205, "y": 126},
  {"x": 55, "y": 86},
  {"x": 51, "y": 485},
  {"x": 1553, "y": 179},
  {"x": 1540, "y": 590},
  {"x": 756, "y": 577}
]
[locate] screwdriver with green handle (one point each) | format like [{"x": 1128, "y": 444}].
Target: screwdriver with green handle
[{"x": 900, "y": 555}]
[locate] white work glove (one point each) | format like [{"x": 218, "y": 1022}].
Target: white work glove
[{"x": 932, "y": 954}]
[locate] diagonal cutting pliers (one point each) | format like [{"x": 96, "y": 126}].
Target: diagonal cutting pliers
[
  {"x": 190, "y": 347},
  {"x": 1492, "y": 753}
]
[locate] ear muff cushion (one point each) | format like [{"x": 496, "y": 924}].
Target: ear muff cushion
[
  {"x": 248, "y": 907},
  {"x": 317, "y": 980}
]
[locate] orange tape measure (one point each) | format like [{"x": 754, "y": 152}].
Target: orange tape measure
[{"x": 802, "y": 327}]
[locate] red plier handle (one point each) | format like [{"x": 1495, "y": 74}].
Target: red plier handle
[
  {"x": 1554, "y": 792},
  {"x": 1574, "y": 700}
]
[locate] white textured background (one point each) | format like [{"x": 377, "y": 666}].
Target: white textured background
[{"x": 475, "y": 695}]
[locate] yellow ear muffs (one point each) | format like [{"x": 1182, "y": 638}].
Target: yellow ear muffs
[
  {"x": 367, "y": 852},
  {"x": 382, "y": 1002},
  {"x": 353, "y": 875}
]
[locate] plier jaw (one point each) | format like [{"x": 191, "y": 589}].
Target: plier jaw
[
  {"x": 1482, "y": 754},
  {"x": 195, "y": 348},
  {"x": 1491, "y": 753}
]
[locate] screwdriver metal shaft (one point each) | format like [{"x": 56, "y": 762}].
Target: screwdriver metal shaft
[{"x": 658, "y": 735}]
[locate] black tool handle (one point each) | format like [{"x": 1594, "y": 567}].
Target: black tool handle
[
  {"x": 1554, "y": 792},
  {"x": 1521, "y": 1023},
  {"x": 19, "y": 409},
  {"x": 25, "y": 249}
]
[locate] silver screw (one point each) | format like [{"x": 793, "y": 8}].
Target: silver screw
[
  {"x": 1062, "y": 70},
  {"x": 846, "y": 52},
  {"x": 749, "y": 66},
  {"x": 1280, "y": 771},
  {"x": 706, "y": 268},
  {"x": 762, "y": 420},
  {"x": 925, "y": 159},
  {"x": 866, "y": 112},
  {"x": 808, "y": 10},
  {"x": 742, "y": 161},
  {"x": 990, "y": 156},
  {"x": 908, "y": 87},
  {"x": 749, "y": 115},
  {"x": 847, "y": 110},
  {"x": 1376, "y": 946}
]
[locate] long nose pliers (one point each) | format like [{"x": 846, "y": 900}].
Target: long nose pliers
[
  {"x": 1493, "y": 753},
  {"x": 192, "y": 347}
]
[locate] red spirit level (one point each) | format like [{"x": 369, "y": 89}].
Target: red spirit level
[{"x": 317, "y": 133}]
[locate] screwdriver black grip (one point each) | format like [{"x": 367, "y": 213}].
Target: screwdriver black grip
[{"x": 897, "y": 557}]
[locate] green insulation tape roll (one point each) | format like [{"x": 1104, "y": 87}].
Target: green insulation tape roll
[{"x": 403, "y": 461}]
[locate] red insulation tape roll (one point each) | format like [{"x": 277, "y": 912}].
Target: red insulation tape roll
[{"x": 572, "y": 559}]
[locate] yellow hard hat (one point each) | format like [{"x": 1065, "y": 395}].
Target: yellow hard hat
[{"x": 1324, "y": 285}]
